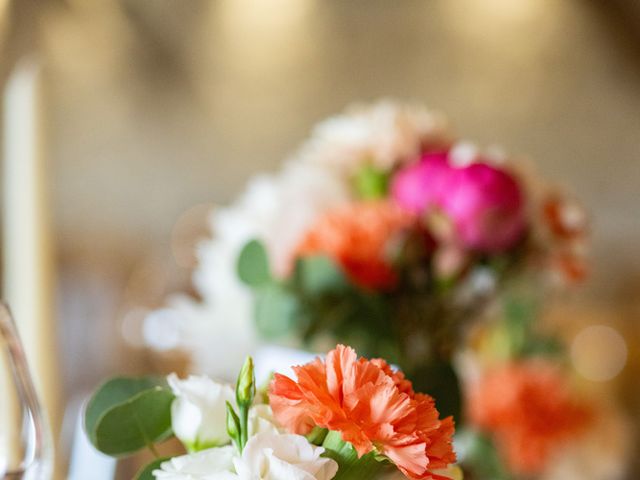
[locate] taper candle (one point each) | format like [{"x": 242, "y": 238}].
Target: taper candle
[{"x": 28, "y": 276}]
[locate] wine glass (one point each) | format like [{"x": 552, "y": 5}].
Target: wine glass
[{"x": 26, "y": 451}]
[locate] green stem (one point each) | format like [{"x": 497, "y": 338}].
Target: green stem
[{"x": 244, "y": 426}]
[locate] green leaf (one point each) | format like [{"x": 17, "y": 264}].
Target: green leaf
[
  {"x": 253, "y": 264},
  {"x": 351, "y": 467},
  {"x": 482, "y": 456},
  {"x": 275, "y": 310},
  {"x": 520, "y": 311},
  {"x": 233, "y": 425},
  {"x": 140, "y": 421},
  {"x": 112, "y": 393},
  {"x": 317, "y": 435},
  {"x": 147, "y": 472},
  {"x": 545, "y": 346},
  {"x": 319, "y": 274},
  {"x": 371, "y": 183}
]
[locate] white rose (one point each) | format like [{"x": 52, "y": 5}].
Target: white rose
[
  {"x": 271, "y": 456},
  {"x": 212, "y": 464},
  {"x": 199, "y": 413}
]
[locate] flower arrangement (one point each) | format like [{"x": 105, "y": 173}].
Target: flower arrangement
[
  {"x": 382, "y": 231},
  {"x": 342, "y": 418},
  {"x": 387, "y": 233}
]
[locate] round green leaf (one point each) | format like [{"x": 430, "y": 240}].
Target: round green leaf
[
  {"x": 275, "y": 310},
  {"x": 253, "y": 264},
  {"x": 319, "y": 274},
  {"x": 112, "y": 393},
  {"x": 139, "y": 422}
]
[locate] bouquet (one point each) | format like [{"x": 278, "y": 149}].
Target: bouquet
[
  {"x": 387, "y": 233},
  {"x": 383, "y": 232},
  {"x": 341, "y": 418}
]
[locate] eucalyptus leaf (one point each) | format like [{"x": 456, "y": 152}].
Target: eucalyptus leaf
[
  {"x": 253, "y": 264},
  {"x": 139, "y": 422},
  {"x": 319, "y": 274},
  {"x": 147, "y": 472},
  {"x": 112, "y": 393},
  {"x": 275, "y": 310}
]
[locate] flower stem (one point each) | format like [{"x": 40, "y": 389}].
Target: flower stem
[{"x": 244, "y": 426}]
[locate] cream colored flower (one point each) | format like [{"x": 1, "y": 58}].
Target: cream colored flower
[
  {"x": 270, "y": 456},
  {"x": 198, "y": 413},
  {"x": 212, "y": 464},
  {"x": 383, "y": 134}
]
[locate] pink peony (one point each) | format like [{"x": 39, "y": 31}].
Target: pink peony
[
  {"x": 486, "y": 207},
  {"x": 483, "y": 203},
  {"x": 420, "y": 186}
]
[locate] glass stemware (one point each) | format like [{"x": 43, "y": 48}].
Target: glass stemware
[{"x": 26, "y": 451}]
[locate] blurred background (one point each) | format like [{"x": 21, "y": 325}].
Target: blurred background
[{"x": 154, "y": 111}]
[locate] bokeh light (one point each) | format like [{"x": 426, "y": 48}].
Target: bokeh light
[{"x": 599, "y": 353}]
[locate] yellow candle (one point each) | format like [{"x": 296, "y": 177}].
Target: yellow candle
[{"x": 28, "y": 278}]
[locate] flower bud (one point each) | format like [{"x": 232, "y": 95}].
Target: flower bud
[
  {"x": 233, "y": 424},
  {"x": 246, "y": 386}
]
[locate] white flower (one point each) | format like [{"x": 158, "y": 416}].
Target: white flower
[
  {"x": 212, "y": 464},
  {"x": 198, "y": 413},
  {"x": 384, "y": 134},
  {"x": 269, "y": 456},
  {"x": 261, "y": 420}
]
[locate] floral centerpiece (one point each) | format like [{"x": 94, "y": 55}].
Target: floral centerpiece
[
  {"x": 384, "y": 232},
  {"x": 341, "y": 418}
]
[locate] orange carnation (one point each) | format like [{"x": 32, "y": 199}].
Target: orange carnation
[
  {"x": 357, "y": 236},
  {"x": 371, "y": 406},
  {"x": 530, "y": 411}
]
